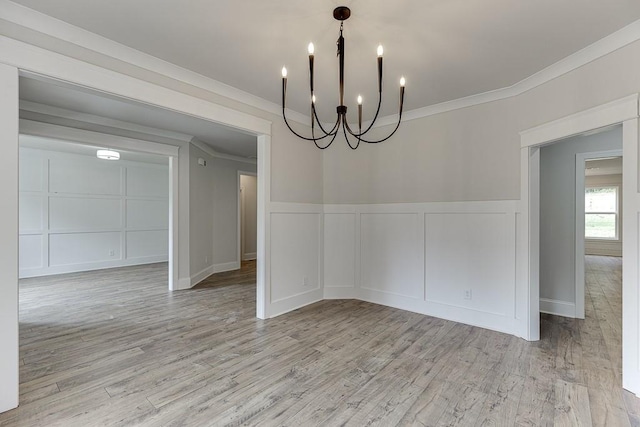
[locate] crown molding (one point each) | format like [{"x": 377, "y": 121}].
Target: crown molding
[
  {"x": 602, "y": 47},
  {"x": 61, "y": 30},
  {"x": 63, "y": 113},
  {"x": 91, "y": 119},
  {"x": 213, "y": 153},
  {"x": 53, "y": 27}
]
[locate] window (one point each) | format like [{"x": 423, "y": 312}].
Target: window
[{"x": 601, "y": 213}]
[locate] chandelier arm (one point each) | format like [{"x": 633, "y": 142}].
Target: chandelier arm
[
  {"x": 284, "y": 116},
  {"x": 375, "y": 117},
  {"x": 346, "y": 137},
  {"x": 388, "y": 136},
  {"x": 315, "y": 114},
  {"x": 330, "y": 142}
]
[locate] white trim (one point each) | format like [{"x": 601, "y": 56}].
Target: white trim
[
  {"x": 183, "y": 284},
  {"x": 23, "y": 57},
  {"x": 32, "y": 59},
  {"x": 598, "y": 117},
  {"x": 35, "y": 107},
  {"x": 334, "y": 292},
  {"x": 213, "y": 153},
  {"x": 241, "y": 256},
  {"x": 630, "y": 258},
  {"x": 102, "y": 265},
  {"x": 263, "y": 239},
  {"x": 558, "y": 308},
  {"x": 249, "y": 256},
  {"x": 580, "y": 224},
  {"x": 97, "y": 139},
  {"x": 625, "y": 111},
  {"x": 295, "y": 302},
  {"x": 225, "y": 266},
  {"x": 60, "y": 30}
]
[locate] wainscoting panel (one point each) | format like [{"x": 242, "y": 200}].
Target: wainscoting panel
[
  {"x": 80, "y": 213},
  {"x": 465, "y": 261},
  {"x": 84, "y": 213},
  {"x": 339, "y": 254},
  {"x": 295, "y": 259},
  {"x": 424, "y": 257},
  {"x": 391, "y": 251},
  {"x": 83, "y": 248}
]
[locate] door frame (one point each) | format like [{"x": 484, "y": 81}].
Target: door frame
[
  {"x": 240, "y": 213},
  {"x": 581, "y": 158},
  {"x": 622, "y": 111},
  {"x": 19, "y": 58}
]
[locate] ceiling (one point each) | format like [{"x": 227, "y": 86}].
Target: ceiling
[
  {"x": 604, "y": 166},
  {"x": 29, "y": 141},
  {"x": 447, "y": 49},
  {"x": 223, "y": 139}
]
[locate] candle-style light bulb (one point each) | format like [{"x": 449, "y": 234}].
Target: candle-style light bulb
[
  {"x": 310, "y": 48},
  {"x": 402, "y": 81},
  {"x": 380, "y": 50},
  {"x": 360, "y": 114},
  {"x": 313, "y": 99},
  {"x": 284, "y": 72}
]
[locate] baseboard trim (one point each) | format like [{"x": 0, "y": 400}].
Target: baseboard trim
[
  {"x": 184, "y": 283},
  {"x": 77, "y": 268},
  {"x": 557, "y": 308},
  {"x": 227, "y": 266},
  {"x": 249, "y": 256},
  {"x": 200, "y": 276},
  {"x": 340, "y": 293},
  {"x": 295, "y": 302}
]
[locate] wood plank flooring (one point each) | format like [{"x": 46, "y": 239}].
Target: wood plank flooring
[{"x": 115, "y": 348}]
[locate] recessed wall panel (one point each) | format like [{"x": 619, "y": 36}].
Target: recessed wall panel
[
  {"x": 147, "y": 181},
  {"x": 339, "y": 250},
  {"x": 71, "y": 213},
  {"x": 392, "y": 254},
  {"x": 468, "y": 252},
  {"x": 294, "y": 254},
  {"x": 147, "y": 213},
  {"x": 147, "y": 243},
  {"x": 31, "y": 212},
  {"x": 32, "y": 172},
  {"x": 30, "y": 251},
  {"x": 82, "y": 248},
  {"x": 86, "y": 176}
]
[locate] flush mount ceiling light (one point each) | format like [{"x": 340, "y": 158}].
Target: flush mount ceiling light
[
  {"x": 108, "y": 155},
  {"x": 341, "y": 14}
]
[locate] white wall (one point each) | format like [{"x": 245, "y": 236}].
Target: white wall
[
  {"x": 9, "y": 364},
  {"x": 80, "y": 213},
  {"x": 606, "y": 247},
  {"x": 213, "y": 213},
  {"x": 249, "y": 215},
  {"x": 425, "y": 257},
  {"x": 558, "y": 213},
  {"x": 225, "y": 210}
]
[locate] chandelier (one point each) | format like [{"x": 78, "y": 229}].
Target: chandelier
[{"x": 341, "y": 14}]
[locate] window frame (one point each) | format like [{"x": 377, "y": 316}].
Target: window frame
[{"x": 616, "y": 214}]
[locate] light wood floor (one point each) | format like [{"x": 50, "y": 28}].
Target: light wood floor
[{"x": 116, "y": 348}]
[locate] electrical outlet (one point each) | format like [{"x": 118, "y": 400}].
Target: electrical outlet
[
  {"x": 305, "y": 281},
  {"x": 112, "y": 252},
  {"x": 467, "y": 294}
]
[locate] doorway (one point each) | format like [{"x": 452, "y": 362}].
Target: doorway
[
  {"x": 562, "y": 242},
  {"x": 623, "y": 111},
  {"x": 247, "y": 215}
]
